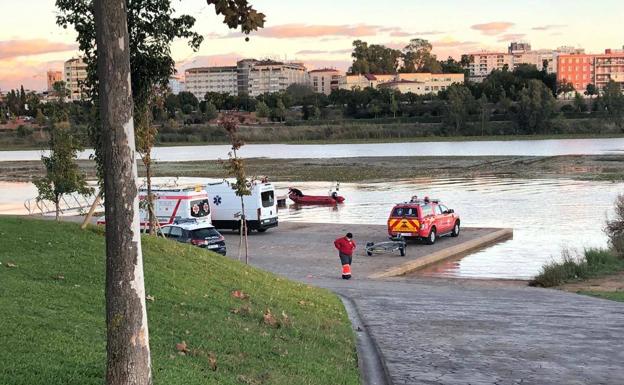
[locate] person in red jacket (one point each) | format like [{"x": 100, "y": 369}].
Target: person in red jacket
[{"x": 345, "y": 246}]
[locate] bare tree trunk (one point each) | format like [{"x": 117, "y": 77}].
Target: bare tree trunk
[
  {"x": 147, "y": 162},
  {"x": 57, "y": 207},
  {"x": 128, "y": 353}
]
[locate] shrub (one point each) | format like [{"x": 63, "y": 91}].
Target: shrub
[
  {"x": 615, "y": 227},
  {"x": 594, "y": 262}
]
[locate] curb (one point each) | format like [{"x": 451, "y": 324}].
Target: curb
[
  {"x": 450, "y": 252},
  {"x": 373, "y": 370}
]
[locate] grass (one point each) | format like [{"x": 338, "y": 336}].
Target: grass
[
  {"x": 594, "y": 263},
  {"x": 611, "y": 295},
  {"x": 52, "y": 328}
]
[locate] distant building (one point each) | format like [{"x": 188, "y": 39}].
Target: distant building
[
  {"x": 483, "y": 63},
  {"x": 519, "y": 47},
  {"x": 325, "y": 80},
  {"x": 243, "y": 71},
  {"x": 201, "y": 80},
  {"x": 417, "y": 83},
  {"x": 176, "y": 85},
  {"x": 609, "y": 67},
  {"x": 577, "y": 69},
  {"x": 75, "y": 74},
  {"x": 270, "y": 76},
  {"x": 53, "y": 77}
]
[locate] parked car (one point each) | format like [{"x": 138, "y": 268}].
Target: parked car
[
  {"x": 424, "y": 219},
  {"x": 198, "y": 233}
]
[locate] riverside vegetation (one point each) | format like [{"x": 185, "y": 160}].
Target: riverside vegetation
[
  {"x": 211, "y": 319},
  {"x": 593, "y": 263}
]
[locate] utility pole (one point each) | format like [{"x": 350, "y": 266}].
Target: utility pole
[{"x": 128, "y": 353}]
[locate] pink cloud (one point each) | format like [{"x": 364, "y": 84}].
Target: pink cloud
[
  {"x": 511, "y": 37},
  {"x": 16, "y": 48},
  {"x": 494, "y": 28},
  {"x": 32, "y": 75},
  {"x": 548, "y": 27},
  {"x": 400, "y": 33},
  {"x": 299, "y": 30}
]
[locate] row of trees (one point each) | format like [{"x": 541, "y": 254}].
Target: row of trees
[{"x": 416, "y": 56}]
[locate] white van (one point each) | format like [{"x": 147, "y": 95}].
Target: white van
[
  {"x": 172, "y": 204},
  {"x": 225, "y": 206}
]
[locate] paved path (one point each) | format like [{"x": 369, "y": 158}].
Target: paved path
[{"x": 436, "y": 331}]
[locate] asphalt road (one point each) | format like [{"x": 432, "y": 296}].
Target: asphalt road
[{"x": 439, "y": 331}]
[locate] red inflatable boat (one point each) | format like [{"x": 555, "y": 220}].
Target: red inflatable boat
[{"x": 298, "y": 197}]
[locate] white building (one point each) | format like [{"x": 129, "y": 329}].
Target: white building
[
  {"x": 201, "y": 80},
  {"x": 325, "y": 80},
  {"x": 417, "y": 83},
  {"x": 483, "y": 63},
  {"x": 272, "y": 76},
  {"x": 176, "y": 85},
  {"x": 75, "y": 74}
]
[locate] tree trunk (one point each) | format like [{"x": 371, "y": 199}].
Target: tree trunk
[
  {"x": 57, "y": 207},
  {"x": 147, "y": 162},
  {"x": 128, "y": 354}
]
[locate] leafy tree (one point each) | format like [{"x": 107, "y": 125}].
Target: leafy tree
[
  {"x": 579, "y": 103},
  {"x": 40, "y": 118},
  {"x": 394, "y": 106},
  {"x": 299, "y": 93},
  {"x": 417, "y": 56},
  {"x": 484, "y": 112},
  {"x": 279, "y": 112},
  {"x": 613, "y": 101},
  {"x": 375, "y": 58},
  {"x": 63, "y": 175},
  {"x": 591, "y": 90},
  {"x": 210, "y": 111},
  {"x": 458, "y": 106},
  {"x": 262, "y": 110},
  {"x": 536, "y": 108},
  {"x": 218, "y": 99},
  {"x": 188, "y": 98},
  {"x": 565, "y": 88}
]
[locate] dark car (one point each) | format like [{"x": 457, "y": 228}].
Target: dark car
[{"x": 200, "y": 234}]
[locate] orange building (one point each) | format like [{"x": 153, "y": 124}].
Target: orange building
[
  {"x": 577, "y": 69},
  {"x": 609, "y": 66},
  {"x": 53, "y": 77}
]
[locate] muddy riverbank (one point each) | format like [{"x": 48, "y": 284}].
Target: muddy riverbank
[{"x": 582, "y": 167}]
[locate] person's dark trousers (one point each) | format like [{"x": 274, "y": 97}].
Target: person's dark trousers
[{"x": 345, "y": 261}]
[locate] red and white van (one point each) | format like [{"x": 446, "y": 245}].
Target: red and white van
[{"x": 173, "y": 203}]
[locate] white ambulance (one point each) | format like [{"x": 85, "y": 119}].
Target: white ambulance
[
  {"x": 225, "y": 205},
  {"x": 173, "y": 203}
]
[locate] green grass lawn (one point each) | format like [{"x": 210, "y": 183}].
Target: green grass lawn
[
  {"x": 52, "y": 328},
  {"x": 612, "y": 295}
]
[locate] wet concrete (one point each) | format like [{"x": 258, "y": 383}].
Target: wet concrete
[{"x": 450, "y": 331}]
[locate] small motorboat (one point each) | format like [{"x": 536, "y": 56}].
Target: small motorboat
[{"x": 298, "y": 197}]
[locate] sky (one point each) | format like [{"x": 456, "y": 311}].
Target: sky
[{"x": 320, "y": 32}]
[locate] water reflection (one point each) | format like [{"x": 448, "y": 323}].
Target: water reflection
[
  {"x": 547, "y": 215},
  {"x": 549, "y": 147}
]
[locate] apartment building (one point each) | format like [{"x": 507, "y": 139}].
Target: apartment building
[
  {"x": 325, "y": 80},
  {"x": 417, "y": 83},
  {"x": 423, "y": 83},
  {"x": 201, "y": 80},
  {"x": 53, "y": 77},
  {"x": 243, "y": 69},
  {"x": 609, "y": 67},
  {"x": 75, "y": 74},
  {"x": 176, "y": 85},
  {"x": 483, "y": 63},
  {"x": 270, "y": 76}
]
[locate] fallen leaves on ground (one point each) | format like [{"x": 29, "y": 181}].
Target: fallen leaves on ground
[
  {"x": 10, "y": 265},
  {"x": 58, "y": 277},
  {"x": 269, "y": 319},
  {"x": 239, "y": 294},
  {"x": 182, "y": 348},
  {"x": 243, "y": 310},
  {"x": 150, "y": 298},
  {"x": 212, "y": 361},
  {"x": 285, "y": 320}
]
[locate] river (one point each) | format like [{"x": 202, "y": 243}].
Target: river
[
  {"x": 550, "y": 147},
  {"x": 547, "y": 215}
]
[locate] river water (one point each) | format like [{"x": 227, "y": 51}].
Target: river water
[
  {"x": 286, "y": 151},
  {"x": 547, "y": 215}
]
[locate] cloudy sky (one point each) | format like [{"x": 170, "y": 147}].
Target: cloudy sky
[{"x": 320, "y": 32}]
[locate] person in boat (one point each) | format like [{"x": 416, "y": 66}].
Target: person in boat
[
  {"x": 345, "y": 246},
  {"x": 296, "y": 192}
]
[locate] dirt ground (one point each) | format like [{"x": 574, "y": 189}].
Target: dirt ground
[
  {"x": 586, "y": 167},
  {"x": 610, "y": 283}
]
